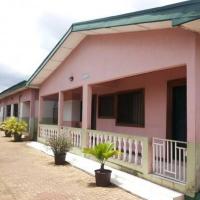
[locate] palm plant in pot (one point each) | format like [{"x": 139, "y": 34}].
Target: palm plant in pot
[
  {"x": 102, "y": 152},
  {"x": 60, "y": 145}
]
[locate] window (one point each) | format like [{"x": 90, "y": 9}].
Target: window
[
  {"x": 8, "y": 110},
  {"x": 106, "y": 106},
  {"x": 130, "y": 108}
]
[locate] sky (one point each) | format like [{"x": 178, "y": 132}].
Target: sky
[{"x": 29, "y": 29}]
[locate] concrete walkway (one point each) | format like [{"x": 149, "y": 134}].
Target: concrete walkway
[
  {"x": 124, "y": 180},
  {"x": 28, "y": 174}
]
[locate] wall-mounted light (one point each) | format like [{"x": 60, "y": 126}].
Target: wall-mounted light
[{"x": 71, "y": 78}]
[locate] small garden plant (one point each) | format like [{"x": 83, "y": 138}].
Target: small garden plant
[
  {"x": 14, "y": 126},
  {"x": 102, "y": 152},
  {"x": 4, "y": 128},
  {"x": 60, "y": 144},
  {"x": 7, "y": 126}
]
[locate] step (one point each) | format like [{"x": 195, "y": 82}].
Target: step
[{"x": 135, "y": 185}]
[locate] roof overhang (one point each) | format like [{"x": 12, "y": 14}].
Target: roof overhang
[
  {"x": 192, "y": 25},
  {"x": 151, "y": 19},
  {"x": 14, "y": 89},
  {"x": 74, "y": 38},
  {"x": 12, "y": 93}
]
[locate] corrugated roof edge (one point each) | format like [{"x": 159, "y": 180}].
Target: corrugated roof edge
[
  {"x": 13, "y": 88},
  {"x": 146, "y": 11},
  {"x": 73, "y": 29}
]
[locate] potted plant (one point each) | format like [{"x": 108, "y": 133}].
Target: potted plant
[
  {"x": 16, "y": 127},
  {"x": 7, "y": 126},
  {"x": 102, "y": 152},
  {"x": 60, "y": 145},
  {"x": 3, "y": 127}
]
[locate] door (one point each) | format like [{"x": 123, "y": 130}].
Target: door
[
  {"x": 94, "y": 111},
  {"x": 177, "y": 110},
  {"x": 179, "y": 113}
]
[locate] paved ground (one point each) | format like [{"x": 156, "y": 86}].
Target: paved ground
[{"x": 27, "y": 174}]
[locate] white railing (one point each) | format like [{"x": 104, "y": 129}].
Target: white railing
[
  {"x": 74, "y": 134},
  {"x": 134, "y": 149},
  {"x": 170, "y": 159},
  {"x": 47, "y": 131},
  {"x": 131, "y": 147}
]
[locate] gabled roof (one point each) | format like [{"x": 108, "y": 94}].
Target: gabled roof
[
  {"x": 13, "y": 89},
  {"x": 185, "y": 14}
]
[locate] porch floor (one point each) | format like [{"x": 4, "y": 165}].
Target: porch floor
[{"x": 133, "y": 184}]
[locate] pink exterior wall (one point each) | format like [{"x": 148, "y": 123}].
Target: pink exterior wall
[
  {"x": 155, "y": 85},
  {"x": 112, "y": 56},
  {"x": 27, "y": 95},
  {"x": 22, "y": 96},
  {"x": 109, "y": 57}
]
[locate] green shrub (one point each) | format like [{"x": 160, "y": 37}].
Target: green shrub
[
  {"x": 3, "y": 126},
  {"x": 14, "y": 125}
]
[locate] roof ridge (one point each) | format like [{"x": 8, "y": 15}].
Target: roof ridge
[
  {"x": 139, "y": 12},
  {"x": 177, "y": 13}
]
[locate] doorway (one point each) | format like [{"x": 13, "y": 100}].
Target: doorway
[{"x": 177, "y": 110}]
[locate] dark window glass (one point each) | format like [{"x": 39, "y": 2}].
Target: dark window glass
[
  {"x": 106, "y": 106},
  {"x": 81, "y": 110},
  {"x": 16, "y": 110},
  {"x": 55, "y": 113},
  {"x": 130, "y": 108},
  {"x": 8, "y": 110}
]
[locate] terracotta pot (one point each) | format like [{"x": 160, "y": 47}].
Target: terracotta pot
[
  {"x": 8, "y": 134},
  {"x": 60, "y": 158},
  {"x": 103, "y": 177},
  {"x": 17, "y": 137}
]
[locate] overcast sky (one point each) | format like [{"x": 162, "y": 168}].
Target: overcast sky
[{"x": 31, "y": 28}]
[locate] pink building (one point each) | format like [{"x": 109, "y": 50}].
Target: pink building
[
  {"x": 133, "y": 80},
  {"x": 22, "y": 102}
]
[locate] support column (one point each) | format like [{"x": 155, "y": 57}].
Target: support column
[
  {"x": 40, "y": 110},
  {"x": 87, "y": 105},
  {"x": 60, "y": 108},
  {"x": 32, "y": 122},
  {"x": 20, "y": 110},
  {"x": 1, "y": 113},
  {"x": 86, "y": 113},
  {"x": 4, "y": 112},
  {"x": 193, "y": 120},
  {"x": 197, "y": 112},
  {"x": 191, "y": 130},
  {"x": 12, "y": 110}
]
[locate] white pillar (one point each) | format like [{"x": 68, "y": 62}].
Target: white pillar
[
  {"x": 60, "y": 108},
  {"x": 12, "y": 110},
  {"x": 21, "y": 110},
  {"x": 4, "y": 112},
  {"x": 1, "y": 113}
]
